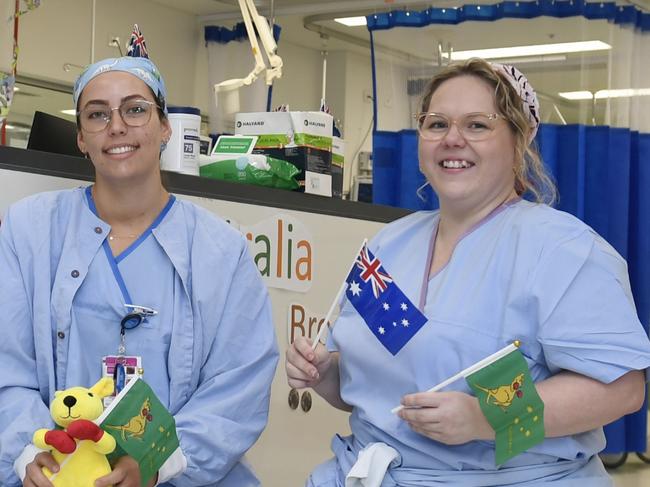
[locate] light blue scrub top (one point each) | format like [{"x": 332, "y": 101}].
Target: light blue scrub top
[
  {"x": 147, "y": 277},
  {"x": 210, "y": 353},
  {"x": 527, "y": 272}
]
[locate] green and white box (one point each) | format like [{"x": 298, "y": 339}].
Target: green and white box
[
  {"x": 227, "y": 149},
  {"x": 302, "y": 138}
]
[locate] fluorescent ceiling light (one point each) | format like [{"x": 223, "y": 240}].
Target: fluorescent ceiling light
[
  {"x": 71, "y": 111},
  {"x": 577, "y": 95},
  {"x": 622, "y": 93},
  {"x": 17, "y": 128},
  {"x": 351, "y": 21},
  {"x": 532, "y": 50},
  {"x": 602, "y": 94},
  {"x": 532, "y": 59}
]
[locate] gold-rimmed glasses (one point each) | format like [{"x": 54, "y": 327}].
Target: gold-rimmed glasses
[
  {"x": 95, "y": 117},
  {"x": 472, "y": 126}
]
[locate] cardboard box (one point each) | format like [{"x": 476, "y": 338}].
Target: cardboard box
[
  {"x": 338, "y": 163},
  {"x": 302, "y": 138}
]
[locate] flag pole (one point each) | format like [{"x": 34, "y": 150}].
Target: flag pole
[
  {"x": 337, "y": 299},
  {"x": 471, "y": 369}
]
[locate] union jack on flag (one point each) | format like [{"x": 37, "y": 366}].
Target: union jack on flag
[
  {"x": 371, "y": 270},
  {"x": 137, "y": 46},
  {"x": 388, "y": 313}
]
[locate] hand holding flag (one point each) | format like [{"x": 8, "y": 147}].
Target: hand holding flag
[{"x": 508, "y": 399}]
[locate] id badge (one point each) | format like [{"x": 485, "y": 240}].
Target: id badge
[{"x": 122, "y": 370}]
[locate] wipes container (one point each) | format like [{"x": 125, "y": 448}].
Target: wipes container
[{"x": 183, "y": 150}]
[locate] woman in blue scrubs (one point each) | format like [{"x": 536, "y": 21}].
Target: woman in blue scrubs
[
  {"x": 487, "y": 269},
  {"x": 74, "y": 263}
]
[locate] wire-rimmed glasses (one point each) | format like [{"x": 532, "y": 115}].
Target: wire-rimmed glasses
[
  {"x": 472, "y": 126},
  {"x": 95, "y": 117}
]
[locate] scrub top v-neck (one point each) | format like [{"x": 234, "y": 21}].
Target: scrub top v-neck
[{"x": 142, "y": 274}]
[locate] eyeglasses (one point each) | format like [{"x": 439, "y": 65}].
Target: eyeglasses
[
  {"x": 472, "y": 126},
  {"x": 95, "y": 117}
]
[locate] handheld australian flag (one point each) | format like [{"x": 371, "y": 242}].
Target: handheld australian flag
[
  {"x": 389, "y": 314},
  {"x": 137, "y": 46}
]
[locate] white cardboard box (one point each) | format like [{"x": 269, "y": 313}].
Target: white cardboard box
[{"x": 301, "y": 138}]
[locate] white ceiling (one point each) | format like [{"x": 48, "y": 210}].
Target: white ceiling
[{"x": 225, "y": 8}]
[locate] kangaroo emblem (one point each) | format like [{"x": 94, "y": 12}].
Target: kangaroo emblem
[
  {"x": 136, "y": 426},
  {"x": 503, "y": 396}
]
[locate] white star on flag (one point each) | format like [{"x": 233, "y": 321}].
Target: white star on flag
[
  {"x": 386, "y": 306},
  {"x": 405, "y": 322},
  {"x": 403, "y": 306},
  {"x": 381, "y": 330},
  {"x": 355, "y": 289},
  {"x": 394, "y": 323}
]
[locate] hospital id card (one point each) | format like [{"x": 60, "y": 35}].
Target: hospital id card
[{"x": 131, "y": 369}]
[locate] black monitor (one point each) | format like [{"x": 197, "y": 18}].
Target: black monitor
[{"x": 53, "y": 134}]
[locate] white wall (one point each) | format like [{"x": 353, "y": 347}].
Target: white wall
[
  {"x": 59, "y": 32},
  {"x": 300, "y": 85},
  {"x": 350, "y": 77}
]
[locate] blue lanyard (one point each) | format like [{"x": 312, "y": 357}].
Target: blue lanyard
[{"x": 135, "y": 313}]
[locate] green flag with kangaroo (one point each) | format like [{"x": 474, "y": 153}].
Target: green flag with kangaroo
[
  {"x": 509, "y": 401},
  {"x": 142, "y": 428}
]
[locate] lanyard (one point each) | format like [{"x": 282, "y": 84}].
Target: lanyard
[{"x": 136, "y": 314}]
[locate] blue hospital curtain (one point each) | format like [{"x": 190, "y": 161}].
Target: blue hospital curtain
[
  {"x": 603, "y": 176},
  {"x": 597, "y": 149}
]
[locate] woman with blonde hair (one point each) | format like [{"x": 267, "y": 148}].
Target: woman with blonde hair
[{"x": 493, "y": 265}]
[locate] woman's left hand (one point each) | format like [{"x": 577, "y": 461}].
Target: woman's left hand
[
  {"x": 452, "y": 417},
  {"x": 126, "y": 473}
]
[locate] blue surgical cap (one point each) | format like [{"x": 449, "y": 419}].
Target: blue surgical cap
[{"x": 139, "y": 67}]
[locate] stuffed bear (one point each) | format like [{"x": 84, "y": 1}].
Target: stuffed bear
[{"x": 81, "y": 446}]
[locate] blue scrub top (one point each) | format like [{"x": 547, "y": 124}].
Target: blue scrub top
[
  {"x": 210, "y": 353},
  {"x": 99, "y": 308},
  {"x": 529, "y": 273}
]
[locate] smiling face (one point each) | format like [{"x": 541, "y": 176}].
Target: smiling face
[
  {"x": 468, "y": 176},
  {"x": 119, "y": 152}
]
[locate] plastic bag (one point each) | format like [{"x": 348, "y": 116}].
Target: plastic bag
[{"x": 254, "y": 169}]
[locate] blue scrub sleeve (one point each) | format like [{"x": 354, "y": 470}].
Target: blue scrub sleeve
[
  {"x": 588, "y": 320},
  {"x": 229, "y": 409},
  {"x": 22, "y": 408}
]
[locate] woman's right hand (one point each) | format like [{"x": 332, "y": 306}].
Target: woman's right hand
[
  {"x": 34, "y": 476},
  {"x": 306, "y": 367}
]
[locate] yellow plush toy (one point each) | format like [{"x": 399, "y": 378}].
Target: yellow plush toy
[{"x": 80, "y": 448}]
